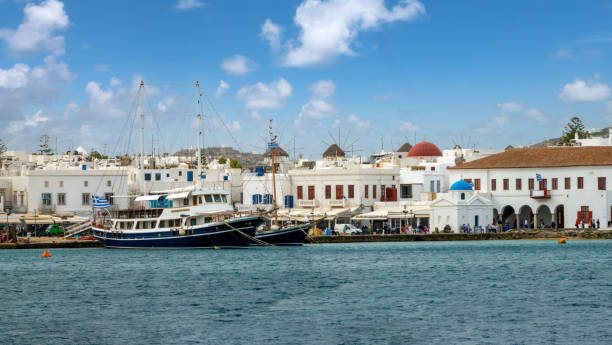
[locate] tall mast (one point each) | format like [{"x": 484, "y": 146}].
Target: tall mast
[
  {"x": 197, "y": 84},
  {"x": 142, "y": 135},
  {"x": 273, "y": 146}
]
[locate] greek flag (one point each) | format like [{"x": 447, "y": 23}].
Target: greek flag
[
  {"x": 100, "y": 202},
  {"x": 539, "y": 177}
]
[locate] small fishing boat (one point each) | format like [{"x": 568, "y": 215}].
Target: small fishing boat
[{"x": 293, "y": 235}]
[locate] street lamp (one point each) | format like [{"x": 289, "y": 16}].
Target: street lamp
[{"x": 405, "y": 219}]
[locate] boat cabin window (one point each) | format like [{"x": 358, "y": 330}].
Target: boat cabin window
[
  {"x": 224, "y": 198},
  {"x": 193, "y": 220},
  {"x": 186, "y": 202},
  {"x": 195, "y": 200},
  {"x": 200, "y": 200},
  {"x": 208, "y": 198},
  {"x": 162, "y": 223},
  {"x": 207, "y": 219},
  {"x": 217, "y": 198}
]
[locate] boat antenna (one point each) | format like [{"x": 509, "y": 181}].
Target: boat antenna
[
  {"x": 272, "y": 149},
  {"x": 197, "y": 84}
]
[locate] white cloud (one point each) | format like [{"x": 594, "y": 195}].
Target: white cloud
[
  {"x": 329, "y": 28},
  {"x": 535, "y": 114},
  {"x": 510, "y": 107},
  {"x": 584, "y": 91},
  {"x": 23, "y": 86},
  {"x": 319, "y": 106},
  {"x": 234, "y": 126},
  {"x": 34, "y": 121},
  {"x": 223, "y": 87},
  {"x": 238, "y": 65},
  {"x": 97, "y": 94},
  {"x": 37, "y": 31},
  {"x": 184, "y": 5},
  {"x": 265, "y": 96},
  {"x": 115, "y": 81},
  {"x": 358, "y": 122},
  {"x": 166, "y": 103},
  {"x": 408, "y": 126},
  {"x": 271, "y": 32}
]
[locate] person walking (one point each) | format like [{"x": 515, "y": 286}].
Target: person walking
[{"x": 597, "y": 223}]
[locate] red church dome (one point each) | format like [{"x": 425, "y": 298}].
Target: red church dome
[{"x": 424, "y": 149}]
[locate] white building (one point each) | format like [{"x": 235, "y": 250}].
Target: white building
[
  {"x": 461, "y": 207},
  {"x": 542, "y": 186}
]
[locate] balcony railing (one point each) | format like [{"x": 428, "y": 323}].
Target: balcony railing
[
  {"x": 308, "y": 203},
  {"x": 337, "y": 203},
  {"x": 540, "y": 194}
]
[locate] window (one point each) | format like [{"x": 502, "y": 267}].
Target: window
[
  {"x": 431, "y": 186},
  {"x": 519, "y": 184},
  {"x": 339, "y": 192},
  {"x": 109, "y": 197},
  {"x": 462, "y": 196},
  {"x": 85, "y": 199},
  {"x": 208, "y": 198},
  {"x": 224, "y": 198},
  {"x": 601, "y": 183},
  {"x": 162, "y": 223},
  {"x": 506, "y": 184},
  {"x": 374, "y": 191},
  {"x": 580, "y": 182},
  {"x": 46, "y": 199},
  {"x": 186, "y": 202},
  {"x": 555, "y": 183},
  {"x": 433, "y": 168},
  {"x": 311, "y": 192},
  {"x": 406, "y": 191},
  {"x": 438, "y": 186},
  {"x": 193, "y": 220},
  {"x": 543, "y": 184},
  {"x": 61, "y": 184},
  {"x": 300, "y": 193},
  {"x": 109, "y": 183},
  {"x": 167, "y": 175},
  {"x": 327, "y": 192},
  {"x": 477, "y": 184},
  {"x": 351, "y": 191},
  {"x": 147, "y": 177},
  {"x": 531, "y": 184},
  {"x": 157, "y": 176},
  {"x": 180, "y": 173},
  {"x": 366, "y": 191},
  {"x": 568, "y": 183},
  {"x": 61, "y": 198},
  {"x": 85, "y": 183},
  {"x": 217, "y": 197},
  {"x": 382, "y": 192},
  {"x": 493, "y": 184},
  {"x": 46, "y": 184}
]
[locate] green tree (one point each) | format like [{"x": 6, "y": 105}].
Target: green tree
[
  {"x": 574, "y": 126},
  {"x": 97, "y": 155},
  {"x": 234, "y": 164},
  {"x": 43, "y": 147},
  {"x": 222, "y": 160}
]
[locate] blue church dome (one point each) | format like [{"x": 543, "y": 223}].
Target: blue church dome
[{"x": 461, "y": 185}]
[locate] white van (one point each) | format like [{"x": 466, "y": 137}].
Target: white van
[{"x": 347, "y": 229}]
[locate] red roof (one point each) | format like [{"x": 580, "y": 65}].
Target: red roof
[
  {"x": 544, "y": 157},
  {"x": 424, "y": 149}
]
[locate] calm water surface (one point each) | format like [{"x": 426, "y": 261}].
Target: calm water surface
[{"x": 502, "y": 292}]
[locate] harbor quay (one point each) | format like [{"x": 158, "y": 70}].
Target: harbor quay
[{"x": 416, "y": 188}]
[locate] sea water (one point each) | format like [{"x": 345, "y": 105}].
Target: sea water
[{"x": 487, "y": 292}]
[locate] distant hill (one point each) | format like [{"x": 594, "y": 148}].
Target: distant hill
[{"x": 216, "y": 152}]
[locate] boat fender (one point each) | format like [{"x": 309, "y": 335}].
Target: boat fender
[{"x": 182, "y": 232}]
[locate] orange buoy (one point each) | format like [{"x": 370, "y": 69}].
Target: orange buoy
[
  {"x": 46, "y": 254},
  {"x": 562, "y": 240}
]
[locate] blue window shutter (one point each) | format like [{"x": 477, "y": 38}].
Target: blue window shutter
[
  {"x": 254, "y": 199},
  {"x": 290, "y": 201},
  {"x": 260, "y": 198}
]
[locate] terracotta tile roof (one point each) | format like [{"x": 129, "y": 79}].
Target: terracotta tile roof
[{"x": 544, "y": 157}]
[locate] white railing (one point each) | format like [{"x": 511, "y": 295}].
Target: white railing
[
  {"x": 337, "y": 203},
  {"x": 77, "y": 229}
]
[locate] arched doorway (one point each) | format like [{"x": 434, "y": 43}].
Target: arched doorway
[
  {"x": 544, "y": 217},
  {"x": 508, "y": 216},
  {"x": 526, "y": 214},
  {"x": 560, "y": 216}
]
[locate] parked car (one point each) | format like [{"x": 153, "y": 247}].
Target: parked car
[{"x": 347, "y": 229}]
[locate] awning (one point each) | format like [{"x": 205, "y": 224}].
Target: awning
[
  {"x": 147, "y": 197},
  {"x": 374, "y": 215},
  {"x": 38, "y": 221},
  {"x": 182, "y": 195}
]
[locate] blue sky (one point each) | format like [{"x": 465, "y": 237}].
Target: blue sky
[{"x": 485, "y": 73}]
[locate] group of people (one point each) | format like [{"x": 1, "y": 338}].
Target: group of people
[{"x": 592, "y": 224}]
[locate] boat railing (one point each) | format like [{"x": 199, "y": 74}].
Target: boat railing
[{"x": 136, "y": 213}]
